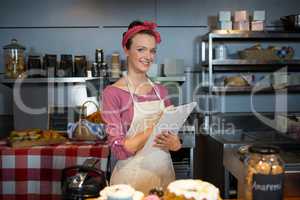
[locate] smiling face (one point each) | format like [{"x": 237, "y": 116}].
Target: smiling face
[{"x": 141, "y": 53}]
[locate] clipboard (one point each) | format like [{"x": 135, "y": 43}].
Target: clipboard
[{"x": 173, "y": 118}]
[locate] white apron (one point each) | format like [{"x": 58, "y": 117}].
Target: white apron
[{"x": 150, "y": 167}]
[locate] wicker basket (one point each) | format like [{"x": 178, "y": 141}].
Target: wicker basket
[
  {"x": 82, "y": 132},
  {"x": 264, "y": 54}
]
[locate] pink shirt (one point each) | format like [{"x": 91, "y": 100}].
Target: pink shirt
[{"x": 117, "y": 108}]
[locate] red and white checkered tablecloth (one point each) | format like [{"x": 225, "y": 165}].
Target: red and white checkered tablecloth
[{"x": 35, "y": 173}]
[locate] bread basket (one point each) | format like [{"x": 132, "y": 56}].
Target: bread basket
[{"x": 84, "y": 129}]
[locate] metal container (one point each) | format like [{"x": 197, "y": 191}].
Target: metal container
[
  {"x": 66, "y": 66},
  {"x": 50, "y": 64},
  {"x": 221, "y": 52},
  {"x": 14, "y": 60},
  {"x": 80, "y": 66},
  {"x": 34, "y": 66},
  {"x": 291, "y": 22}
]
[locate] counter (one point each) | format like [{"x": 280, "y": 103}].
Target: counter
[
  {"x": 233, "y": 163},
  {"x": 35, "y": 172}
]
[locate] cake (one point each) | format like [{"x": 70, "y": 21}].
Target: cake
[
  {"x": 191, "y": 189},
  {"x": 120, "y": 192}
]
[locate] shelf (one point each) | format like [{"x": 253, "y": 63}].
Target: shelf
[
  {"x": 81, "y": 79},
  {"x": 49, "y": 80},
  {"x": 254, "y": 35},
  {"x": 169, "y": 78},
  {"x": 255, "y": 62},
  {"x": 248, "y": 89},
  {"x": 252, "y": 65},
  {"x": 161, "y": 79}
]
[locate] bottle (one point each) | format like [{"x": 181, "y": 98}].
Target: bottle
[
  {"x": 264, "y": 174},
  {"x": 99, "y": 56},
  {"x": 103, "y": 70},
  {"x": 95, "y": 70},
  {"x": 115, "y": 65}
]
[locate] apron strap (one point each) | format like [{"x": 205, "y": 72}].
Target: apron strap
[
  {"x": 150, "y": 82},
  {"x": 154, "y": 87},
  {"x": 128, "y": 87}
]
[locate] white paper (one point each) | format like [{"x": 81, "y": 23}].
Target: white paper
[{"x": 173, "y": 118}]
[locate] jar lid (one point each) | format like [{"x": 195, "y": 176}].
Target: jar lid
[
  {"x": 14, "y": 45},
  {"x": 264, "y": 149}
]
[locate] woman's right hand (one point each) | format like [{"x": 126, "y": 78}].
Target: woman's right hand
[{"x": 151, "y": 122}]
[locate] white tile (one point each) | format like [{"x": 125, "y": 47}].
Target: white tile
[
  {"x": 8, "y": 162},
  {"x": 58, "y": 162},
  {"x": 34, "y": 161},
  {"x": 103, "y": 164},
  {"x": 56, "y": 187},
  {"x": 33, "y": 187},
  {"x": 80, "y": 160},
  {"x": 8, "y": 187}
]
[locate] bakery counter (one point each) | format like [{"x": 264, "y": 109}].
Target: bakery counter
[
  {"x": 290, "y": 154},
  {"x": 35, "y": 172}
]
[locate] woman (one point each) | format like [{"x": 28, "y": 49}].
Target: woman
[{"x": 131, "y": 107}]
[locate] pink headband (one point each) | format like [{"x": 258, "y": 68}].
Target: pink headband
[{"x": 145, "y": 26}]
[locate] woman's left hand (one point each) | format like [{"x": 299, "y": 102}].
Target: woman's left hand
[{"x": 167, "y": 141}]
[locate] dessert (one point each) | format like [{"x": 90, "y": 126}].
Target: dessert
[
  {"x": 35, "y": 137},
  {"x": 191, "y": 189},
  {"x": 120, "y": 192}
]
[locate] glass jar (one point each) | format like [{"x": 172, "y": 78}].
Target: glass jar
[
  {"x": 264, "y": 173},
  {"x": 14, "y": 60}
]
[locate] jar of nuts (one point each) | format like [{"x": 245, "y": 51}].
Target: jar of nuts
[
  {"x": 264, "y": 173},
  {"x": 14, "y": 60}
]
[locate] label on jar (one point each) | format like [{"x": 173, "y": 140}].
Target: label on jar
[{"x": 267, "y": 187}]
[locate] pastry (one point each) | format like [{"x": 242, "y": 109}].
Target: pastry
[
  {"x": 191, "y": 189},
  {"x": 120, "y": 192},
  {"x": 235, "y": 81},
  {"x": 35, "y": 137}
]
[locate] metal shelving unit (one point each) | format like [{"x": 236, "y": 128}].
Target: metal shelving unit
[{"x": 211, "y": 66}]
